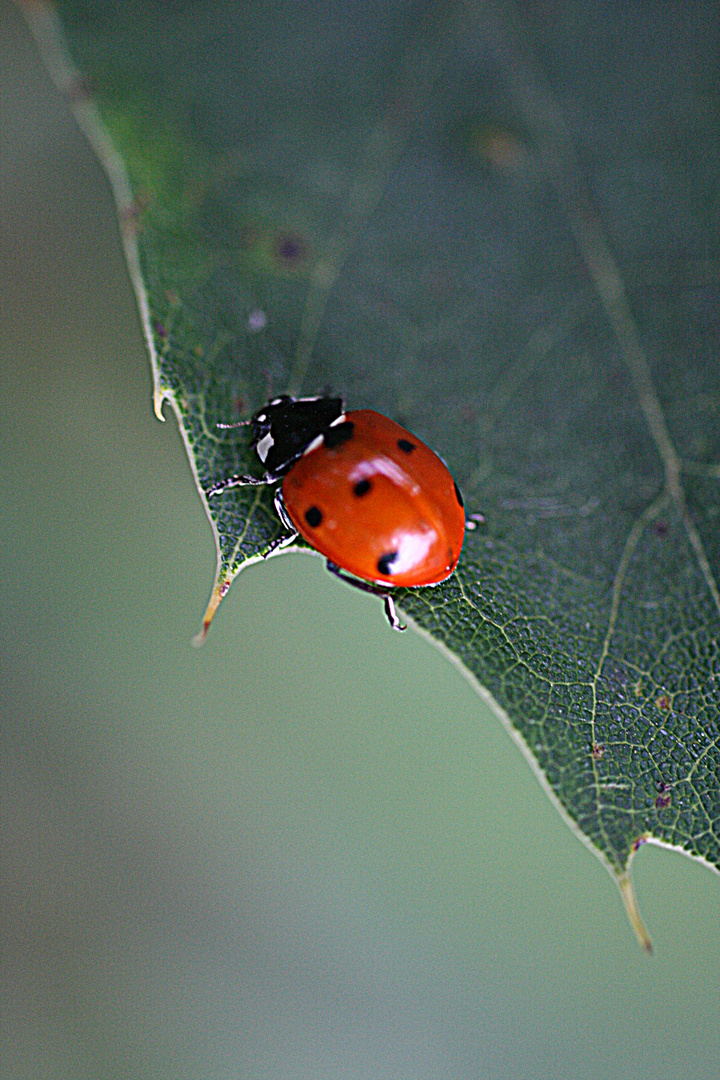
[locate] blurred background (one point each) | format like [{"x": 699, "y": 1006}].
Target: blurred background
[{"x": 305, "y": 851}]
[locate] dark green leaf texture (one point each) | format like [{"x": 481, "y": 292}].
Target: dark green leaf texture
[{"x": 500, "y": 227}]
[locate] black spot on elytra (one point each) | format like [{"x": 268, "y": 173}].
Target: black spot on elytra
[
  {"x": 313, "y": 516},
  {"x": 338, "y": 434},
  {"x": 458, "y": 494},
  {"x": 362, "y": 487},
  {"x": 384, "y": 563},
  {"x": 406, "y": 446}
]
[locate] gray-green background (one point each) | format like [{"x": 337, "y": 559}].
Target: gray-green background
[{"x": 306, "y": 850}]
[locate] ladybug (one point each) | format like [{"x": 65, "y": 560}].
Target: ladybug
[{"x": 377, "y": 502}]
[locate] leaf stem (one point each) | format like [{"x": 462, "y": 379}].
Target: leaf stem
[{"x": 632, "y": 911}]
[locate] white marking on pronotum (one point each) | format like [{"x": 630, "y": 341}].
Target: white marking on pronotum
[
  {"x": 264, "y": 446},
  {"x": 317, "y": 441}
]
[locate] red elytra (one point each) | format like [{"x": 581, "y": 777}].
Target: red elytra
[{"x": 376, "y": 501}]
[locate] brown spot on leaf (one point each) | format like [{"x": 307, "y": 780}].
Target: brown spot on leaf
[{"x": 290, "y": 250}]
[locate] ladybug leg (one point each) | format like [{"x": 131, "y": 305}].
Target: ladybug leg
[
  {"x": 280, "y": 542},
  {"x": 233, "y": 482},
  {"x": 391, "y": 613},
  {"x": 243, "y": 481},
  {"x": 375, "y": 590},
  {"x": 291, "y": 532},
  {"x": 283, "y": 514}
]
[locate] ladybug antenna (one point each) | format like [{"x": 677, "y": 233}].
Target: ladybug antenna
[{"x": 229, "y": 427}]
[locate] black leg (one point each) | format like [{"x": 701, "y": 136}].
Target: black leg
[
  {"x": 375, "y": 590},
  {"x": 282, "y": 513},
  {"x": 233, "y": 482},
  {"x": 281, "y": 541},
  {"x": 252, "y": 481}
]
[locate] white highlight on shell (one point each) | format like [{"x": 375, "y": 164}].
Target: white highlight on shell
[
  {"x": 383, "y": 466},
  {"x": 412, "y": 550}
]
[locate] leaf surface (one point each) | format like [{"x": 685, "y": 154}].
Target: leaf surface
[{"x": 498, "y": 226}]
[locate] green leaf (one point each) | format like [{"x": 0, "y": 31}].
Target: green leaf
[{"x": 499, "y": 227}]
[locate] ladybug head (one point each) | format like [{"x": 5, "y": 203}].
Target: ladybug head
[{"x": 284, "y": 427}]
